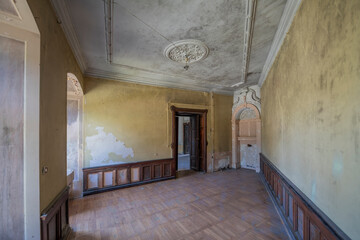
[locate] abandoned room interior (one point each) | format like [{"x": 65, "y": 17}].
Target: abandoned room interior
[{"x": 201, "y": 119}]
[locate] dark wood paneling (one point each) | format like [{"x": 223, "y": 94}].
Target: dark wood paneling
[
  {"x": 55, "y": 218},
  {"x": 157, "y": 171},
  {"x": 128, "y": 174},
  {"x": 304, "y": 219},
  {"x": 167, "y": 170},
  {"x": 146, "y": 173}
]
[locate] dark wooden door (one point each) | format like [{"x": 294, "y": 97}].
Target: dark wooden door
[
  {"x": 202, "y": 143},
  {"x": 195, "y": 142},
  {"x": 187, "y": 139}
]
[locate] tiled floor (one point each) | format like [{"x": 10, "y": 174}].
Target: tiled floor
[{"x": 224, "y": 205}]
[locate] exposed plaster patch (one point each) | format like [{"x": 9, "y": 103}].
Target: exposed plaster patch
[
  {"x": 103, "y": 144},
  {"x": 223, "y": 163}
]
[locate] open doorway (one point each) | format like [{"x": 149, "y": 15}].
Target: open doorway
[
  {"x": 189, "y": 139},
  {"x": 184, "y": 143}
]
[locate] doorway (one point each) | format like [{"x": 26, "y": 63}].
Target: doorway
[{"x": 189, "y": 139}]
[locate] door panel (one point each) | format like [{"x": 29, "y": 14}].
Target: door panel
[
  {"x": 202, "y": 142},
  {"x": 195, "y": 142},
  {"x": 187, "y": 139}
]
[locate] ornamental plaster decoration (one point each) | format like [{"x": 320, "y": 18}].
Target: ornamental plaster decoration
[
  {"x": 247, "y": 95},
  {"x": 247, "y": 114},
  {"x": 186, "y": 51},
  {"x": 72, "y": 79}
]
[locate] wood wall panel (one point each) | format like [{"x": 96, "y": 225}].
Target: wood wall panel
[
  {"x": 55, "y": 218},
  {"x": 135, "y": 174},
  {"x": 157, "y": 171},
  {"x": 109, "y": 178},
  {"x": 167, "y": 170},
  {"x": 98, "y": 179},
  {"x": 94, "y": 180},
  {"x": 303, "y": 218},
  {"x": 146, "y": 173},
  {"x": 122, "y": 176}
]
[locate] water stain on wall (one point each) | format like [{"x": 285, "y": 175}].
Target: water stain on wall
[
  {"x": 337, "y": 168},
  {"x": 103, "y": 144}
]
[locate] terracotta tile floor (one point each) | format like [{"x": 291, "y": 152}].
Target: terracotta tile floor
[{"x": 224, "y": 205}]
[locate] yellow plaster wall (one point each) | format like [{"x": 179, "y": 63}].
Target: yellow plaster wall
[
  {"x": 56, "y": 61},
  {"x": 139, "y": 117},
  {"x": 222, "y": 108},
  {"x": 310, "y": 108}
]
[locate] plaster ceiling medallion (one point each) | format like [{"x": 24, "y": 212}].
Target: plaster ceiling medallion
[{"x": 186, "y": 51}]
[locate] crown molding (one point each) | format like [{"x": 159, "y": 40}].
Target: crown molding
[
  {"x": 287, "y": 17},
  {"x": 155, "y": 81},
  {"x": 65, "y": 22}
]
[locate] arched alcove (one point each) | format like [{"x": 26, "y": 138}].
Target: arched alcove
[
  {"x": 246, "y": 137},
  {"x": 74, "y": 135}
]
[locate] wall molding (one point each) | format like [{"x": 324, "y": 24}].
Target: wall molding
[
  {"x": 154, "y": 79},
  {"x": 64, "y": 18},
  {"x": 301, "y": 216},
  {"x": 286, "y": 20},
  {"x": 111, "y": 177}
]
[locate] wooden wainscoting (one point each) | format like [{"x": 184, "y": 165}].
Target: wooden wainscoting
[
  {"x": 55, "y": 218},
  {"x": 303, "y": 218},
  {"x": 105, "y": 178}
]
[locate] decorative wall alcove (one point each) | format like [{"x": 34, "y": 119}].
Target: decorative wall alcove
[
  {"x": 74, "y": 135},
  {"x": 246, "y": 137}
]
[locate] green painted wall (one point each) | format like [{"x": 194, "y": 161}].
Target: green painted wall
[
  {"x": 127, "y": 122},
  {"x": 311, "y": 108},
  {"x": 56, "y": 60}
]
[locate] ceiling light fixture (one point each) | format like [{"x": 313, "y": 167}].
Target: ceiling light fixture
[{"x": 186, "y": 52}]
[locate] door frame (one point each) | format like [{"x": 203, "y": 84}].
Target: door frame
[{"x": 175, "y": 111}]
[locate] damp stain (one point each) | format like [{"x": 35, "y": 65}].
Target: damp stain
[{"x": 337, "y": 166}]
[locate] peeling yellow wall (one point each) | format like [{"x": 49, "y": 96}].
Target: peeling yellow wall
[
  {"x": 311, "y": 108},
  {"x": 56, "y": 61},
  {"x": 132, "y": 122}
]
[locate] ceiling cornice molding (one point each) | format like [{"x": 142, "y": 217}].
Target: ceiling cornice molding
[
  {"x": 63, "y": 14},
  {"x": 248, "y": 35},
  {"x": 287, "y": 17},
  {"x": 151, "y": 81}
]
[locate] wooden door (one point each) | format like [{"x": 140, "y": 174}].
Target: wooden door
[
  {"x": 202, "y": 142},
  {"x": 187, "y": 139},
  {"x": 195, "y": 142}
]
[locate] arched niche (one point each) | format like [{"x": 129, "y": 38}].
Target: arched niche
[
  {"x": 73, "y": 86},
  {"x": 75, "y": 97},
  {"x": 246, "y": 137}
]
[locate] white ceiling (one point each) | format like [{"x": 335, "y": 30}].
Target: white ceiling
[{"x": 130, "y": 46}]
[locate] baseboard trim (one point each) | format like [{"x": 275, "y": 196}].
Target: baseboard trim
[{"x": 301, "y": 215}]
